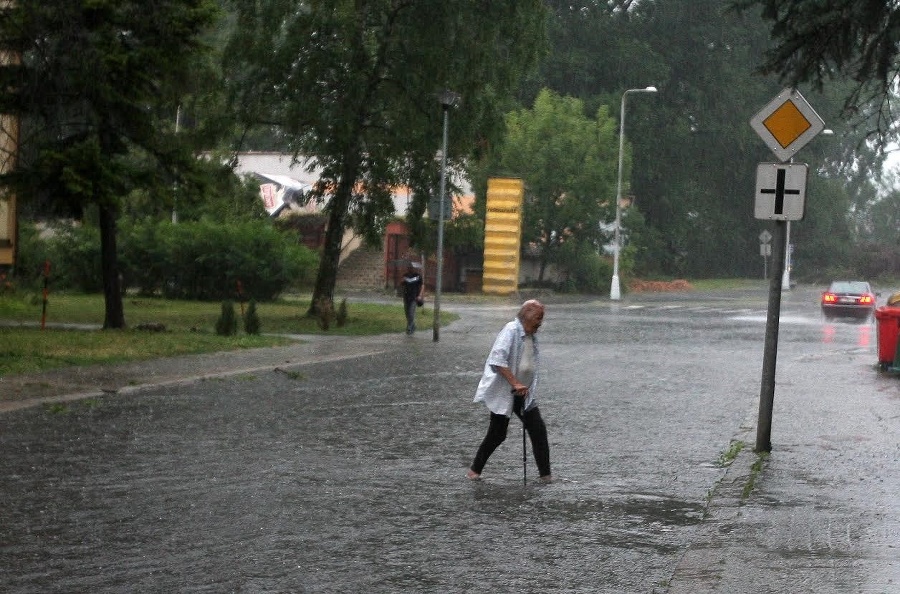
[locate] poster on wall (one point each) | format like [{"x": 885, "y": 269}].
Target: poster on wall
[
  {"x": 272, "y": 199},
  {"x": 7, "y": 230}
]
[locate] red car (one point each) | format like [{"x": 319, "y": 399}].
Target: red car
[{"x": 849, "y": 299}]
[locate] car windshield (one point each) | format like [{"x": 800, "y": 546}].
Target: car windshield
[{"x": 849, "y": 287}]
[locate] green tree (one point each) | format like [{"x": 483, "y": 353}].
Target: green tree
[
  {"x": 355, "y": 85},
  {"x": 818, "y": 42},
  {"x": 694, "y": 154},
  {"x": 95, "y": 86},
  {"x": 213, "y": 192},
  {"x": 595, "y": 48},
  {"x": 884, "y": 215},
  {"x": 568, "y": 163},
  {"x": 824, "y": 239}
]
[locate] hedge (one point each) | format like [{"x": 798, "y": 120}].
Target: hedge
[{"x": 190, "y": 260}]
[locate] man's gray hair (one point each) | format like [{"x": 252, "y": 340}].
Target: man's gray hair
[{"x": 530, "y": 305}]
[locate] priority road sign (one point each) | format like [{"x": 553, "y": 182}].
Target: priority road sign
[
  {"x": 780, "y": 191},
  {"x": 787, "y": 123}
]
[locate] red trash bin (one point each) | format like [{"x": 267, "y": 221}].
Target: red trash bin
[{"x": 888, "y": 329}]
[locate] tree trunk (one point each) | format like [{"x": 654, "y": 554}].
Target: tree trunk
[
  {"x": 326, "y": 277},
  {"x": 545, "y": 249},
  {"x": 112, "y": 288}
]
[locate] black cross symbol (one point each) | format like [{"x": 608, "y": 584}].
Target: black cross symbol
[{"x": 779, "y": 191}]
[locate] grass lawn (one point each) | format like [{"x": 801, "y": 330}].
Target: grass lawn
[
  {"x": 718, "y": 284},
  {"x": 190, "y": 325},
  {"x": 27, "y": 350}
]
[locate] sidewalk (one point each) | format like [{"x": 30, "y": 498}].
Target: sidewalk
[
  {"x": 821, "y": 512},
  {"x": 75, "y": 383}
]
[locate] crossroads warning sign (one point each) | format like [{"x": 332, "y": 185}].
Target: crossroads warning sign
[{"x": 780, "y": 191}]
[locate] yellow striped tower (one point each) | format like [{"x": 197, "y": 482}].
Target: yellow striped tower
[{"x": 502, "y": 236}]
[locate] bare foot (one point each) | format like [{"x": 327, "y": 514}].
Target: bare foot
[{"x": 472, "y": 475}]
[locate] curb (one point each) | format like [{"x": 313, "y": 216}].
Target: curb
[
  {"x": 701, "y": 567},
  {"x": 130, "y": 389}
]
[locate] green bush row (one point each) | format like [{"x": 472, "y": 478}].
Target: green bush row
[
  {"x": 190, "y": 260},
  {"x": 589, "y": 272}
]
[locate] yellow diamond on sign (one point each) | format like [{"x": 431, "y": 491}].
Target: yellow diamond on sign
[{"x": 787, "y": 123}]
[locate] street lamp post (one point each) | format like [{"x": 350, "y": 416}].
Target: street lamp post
[
  {"x": 175, "y": 193},
  {"x": 448, "y": 99},
  {"x": 786, "y": 274},
  {"x": 788, "y": 256},
  {"x": 615, "y": 290}
]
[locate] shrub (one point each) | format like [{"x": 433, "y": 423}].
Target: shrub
[
  {"x": 189, "y": 260},
  {"x": 251, "y": 319},
  {"x": 226, "y": 325},
  {"x": 341, "y": 315},
  {"x": 73, "y": 252},
  {"x": 588, "y": 271},
  {"x": 32, "y": 253},
  {"x": 144, "y": 256},
  {"x": 207, "y": 259},
  {"x": 76, "y": 258}
]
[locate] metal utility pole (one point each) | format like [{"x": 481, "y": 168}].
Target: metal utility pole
[{"x": 448, "y": 100}]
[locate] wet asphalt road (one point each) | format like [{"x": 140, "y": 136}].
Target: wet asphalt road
[{"x": 347, "y": 476}]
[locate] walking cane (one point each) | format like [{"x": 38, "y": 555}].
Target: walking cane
[
  {"x": 524, "y": 458},
  {"x": 518, "y": 408}
]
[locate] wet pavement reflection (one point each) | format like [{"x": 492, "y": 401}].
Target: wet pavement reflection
[{"x": 347, "y": 476}]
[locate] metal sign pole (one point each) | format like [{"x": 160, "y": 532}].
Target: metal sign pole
[
  {"x": 786, "y": 125},
  {"x": 767, "y": 386}
]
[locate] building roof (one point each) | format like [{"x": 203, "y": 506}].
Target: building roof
[{"x": 294, "y": 178}]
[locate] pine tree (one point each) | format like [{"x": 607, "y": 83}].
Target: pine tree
[{"x": 226, "y": 325}]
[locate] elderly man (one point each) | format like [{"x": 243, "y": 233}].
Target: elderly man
[{"x": 509, "y": 385}]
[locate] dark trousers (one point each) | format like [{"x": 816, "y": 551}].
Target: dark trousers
[
  {"x": 409, "y": 307},
  {"x": 496, "y": 434}
]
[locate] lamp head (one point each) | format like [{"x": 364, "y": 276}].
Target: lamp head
[
  {"x": 448, "y": 98},
  {"x": 650, "y": 89}
]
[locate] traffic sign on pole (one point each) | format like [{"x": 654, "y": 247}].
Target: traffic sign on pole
[
  {"x": 787, "y": 123},
  {"x": 780, "y": 191}
]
